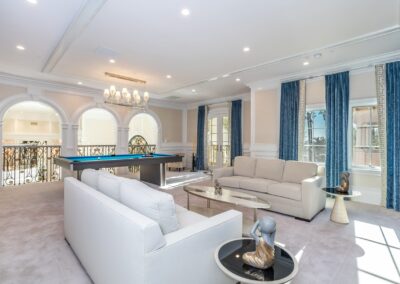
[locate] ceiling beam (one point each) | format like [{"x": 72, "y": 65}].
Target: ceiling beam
[{"x": 78, "y": 24}]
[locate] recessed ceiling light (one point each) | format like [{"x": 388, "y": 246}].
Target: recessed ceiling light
[
  {"x": 193, "y": 90},
  {"x": 79, "y": 83},
  {"x": 246, "y": 49},
  {"x": 305, "y": 63},
  {"x": 168, "y": 76},
  {"x": 237, "y": 79},
  {"x": 185, "y": 12},
  {"x": 225, "y": 76},
  {"x": 20, "y": 47},
  {"x": 32, "y": 1},
  {"x": 111, "y": 61}
]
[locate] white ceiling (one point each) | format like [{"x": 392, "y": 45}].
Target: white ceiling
[{"x": 150, "y": 39}]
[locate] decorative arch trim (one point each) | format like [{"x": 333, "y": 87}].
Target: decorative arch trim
[{"x": 78, "y": 113}]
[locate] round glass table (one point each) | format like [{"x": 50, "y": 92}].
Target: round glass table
[
  {"x": 339, "y": 212},
  {"x": 229, "y": 259}
]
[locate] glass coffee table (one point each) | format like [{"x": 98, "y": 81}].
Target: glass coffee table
[
  {"x": 339, "y": 212},
  {"x": 229, "y": 259},
  {"x": 227, "y": 196}
]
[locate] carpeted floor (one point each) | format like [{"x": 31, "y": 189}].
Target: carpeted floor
[{"x": 33, "y": 250}]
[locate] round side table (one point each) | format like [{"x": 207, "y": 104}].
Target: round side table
[
  {"x": 229, "y": 259},
  {"x": 339, "y": 212}
]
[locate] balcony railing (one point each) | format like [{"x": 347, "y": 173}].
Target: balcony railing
[
  {"x": 96, "y": 150},
  {"x": 30, "y": 164}
]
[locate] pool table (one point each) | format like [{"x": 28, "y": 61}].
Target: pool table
[{"x": 152, "y": 166}]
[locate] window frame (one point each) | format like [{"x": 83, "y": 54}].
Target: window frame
[
  {"x": 352, "y": 104},
  {"x": 314, "y": 107}
]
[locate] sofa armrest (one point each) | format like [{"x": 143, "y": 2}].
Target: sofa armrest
[
  {"x": 313, "y": 196},
  {"x": 222, "y": 172},
  {"x": 192, "y": 247}
]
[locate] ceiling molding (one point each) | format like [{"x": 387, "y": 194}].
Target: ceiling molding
[
  {"x": 357, "y": 66},
  {"x": 345, "y": 43},
  {"x": 79, "y": 23},
  {"x": 244, "y": 97}
]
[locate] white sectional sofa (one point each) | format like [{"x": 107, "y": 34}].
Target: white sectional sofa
[
  {"x": 292, "y": 187},
  {"x": 157, "y": 242}
]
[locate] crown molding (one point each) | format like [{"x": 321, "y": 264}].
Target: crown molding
[
  {"x": 244, "y": 97},
  {"x": 356, "y": 67}
]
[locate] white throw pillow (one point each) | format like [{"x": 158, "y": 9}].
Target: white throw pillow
[
  {"x": 90, "y": 178},
  {"x": 110, "y": 185},
  {"x": 152, "y": 203},
  {"x": 270, "y": 169},
  {"x": 296, "y": 171},
  {"x": 244, "y": 166}
]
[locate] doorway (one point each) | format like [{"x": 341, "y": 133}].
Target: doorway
[{"x": 218, "y": 139}]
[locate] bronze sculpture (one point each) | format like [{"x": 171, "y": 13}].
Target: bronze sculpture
[
  {"x": 344, "y": 182},
  {"x": 264, "y": 255}
]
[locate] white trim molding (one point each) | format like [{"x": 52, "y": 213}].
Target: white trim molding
[{"x": 259, "y": 150}]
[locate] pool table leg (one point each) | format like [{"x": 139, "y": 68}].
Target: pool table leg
[
  {"x": 78, "y": 174},
  {"x": 153, "y": 173}
]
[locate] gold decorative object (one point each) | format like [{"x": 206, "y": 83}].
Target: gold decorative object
[
  {"x": 264, "y": 255},
  {"x": 344, "y": 182}
]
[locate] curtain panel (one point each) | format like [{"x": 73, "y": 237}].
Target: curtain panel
[
  {"x": 337, "y": 112},
  {"x": 236, "y": 129},
  {"x": 201, "y": 119},
  {"x": 393, "y": 135},
  {"x": 380, "y": 77},
  {"x": 289, "y": 112},
  {"x": 302, "y": 117}
]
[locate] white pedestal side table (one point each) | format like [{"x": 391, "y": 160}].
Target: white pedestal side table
[{"x": 339, "y": 212}]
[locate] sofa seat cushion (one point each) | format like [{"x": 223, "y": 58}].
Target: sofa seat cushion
[
  {"x": 256, "y": 184},
  {"x": 154, "y": 204},
  {"x": 296, "y": 172},
  {"x": 270, "y": 169},
  {"x": 286, "y": 190},
  {"x": 187, "y": 218},
  {"x": 231, "y": 181},
  {"x": 244, "y": 166}
]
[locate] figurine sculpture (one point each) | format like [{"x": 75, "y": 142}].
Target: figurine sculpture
[
  {"x": 217, "y": 188},
  {"x": 264, "y": 255},
  {"x": 344, "y": 182}
]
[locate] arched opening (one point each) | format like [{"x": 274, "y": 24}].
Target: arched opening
[
  {"x": 31, "y": 138},
  {"x": 145, "y": 125},
  {"x": 97, "y": 133}
]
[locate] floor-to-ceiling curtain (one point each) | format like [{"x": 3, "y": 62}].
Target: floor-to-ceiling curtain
[
  {"x": 380, "y": 77},
  {"x": 236, "y": 129},
  {"x": 302, "y": 116},
  {"x": 393, "y": 134},
  {"x": 288, "y": 135},
  {"x": 337, "y": 114},
  {"x": 201, "y": 119}
]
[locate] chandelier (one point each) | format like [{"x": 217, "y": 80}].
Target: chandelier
[{"x": 125, "y": 98}]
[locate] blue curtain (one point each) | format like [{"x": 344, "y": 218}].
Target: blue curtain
[
  {"x": 200, "y": 137},
  {"x": 289, "y": 121},
  {"x": 236, "y": 129},
  {"x": 337, "y": 117},
  {"x": 393, "y": 134}
]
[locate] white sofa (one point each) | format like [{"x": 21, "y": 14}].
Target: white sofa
[
  {"x": 116, "y": 244},
  {"x": 291, "y": 187}
]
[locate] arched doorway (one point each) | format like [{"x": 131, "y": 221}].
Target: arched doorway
[
  {"x": 145, "y": 125},
  {"x": 97, "y": 133},
  {"x": 31, "y": 138}
]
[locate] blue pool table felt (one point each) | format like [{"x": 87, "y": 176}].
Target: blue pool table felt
[{"x": 114, "y": 157}]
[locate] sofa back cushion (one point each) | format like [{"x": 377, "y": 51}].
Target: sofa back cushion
[
  {"x": 152, "y": 203},
  {"x": 110, "y": 185},
  {"x": 244, "y": 166},
  {"x": 90, "y": 177},
  {"x": 296, "y": 172},
  {"x": 270, "y": 169}
]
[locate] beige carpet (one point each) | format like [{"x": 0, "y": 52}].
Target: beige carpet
[{"x": 33, "y": 250}]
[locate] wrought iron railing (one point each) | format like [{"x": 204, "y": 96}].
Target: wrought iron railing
[
  {"x": 96, "y": 150},
  {"x": 29, "y": 164},
  {"x": 138, "y": 145}
]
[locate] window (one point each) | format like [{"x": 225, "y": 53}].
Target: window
[
  {"x": 315, "y": 136},
  {"x": 365, "y": 140}
]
